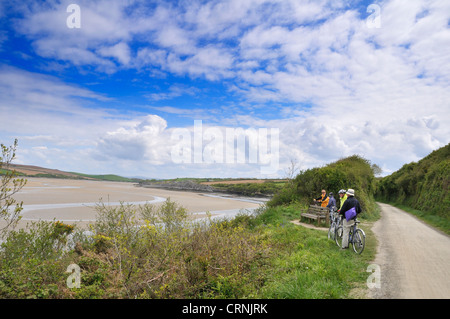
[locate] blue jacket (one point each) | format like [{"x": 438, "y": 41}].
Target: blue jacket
[{"x": 331, "y": 202}]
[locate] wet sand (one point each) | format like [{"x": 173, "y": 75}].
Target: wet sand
[{"x": 74, "y": 201}]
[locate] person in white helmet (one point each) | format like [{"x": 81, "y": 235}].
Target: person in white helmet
[
  {"x": 342, "y": 197},
  {"x": 349, "y": 203}
]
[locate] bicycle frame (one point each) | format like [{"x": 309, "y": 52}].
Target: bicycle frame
[
  {"x": 335, "y": 221},
  {"x": 358, "y": 242},
  {"x": 352, "y": 238}
]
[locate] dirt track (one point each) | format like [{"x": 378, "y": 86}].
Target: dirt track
[{"x": 414, "y": 258}]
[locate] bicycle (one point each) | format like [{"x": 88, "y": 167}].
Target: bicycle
[
  {"x": 356, "y": 237},
  {"x": 335, "y": 221}
]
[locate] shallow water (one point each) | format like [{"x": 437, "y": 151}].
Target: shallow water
[{"x": 76, "y": 200}]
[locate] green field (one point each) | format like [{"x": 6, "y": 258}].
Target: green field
[{"x": 107, "y": 177}]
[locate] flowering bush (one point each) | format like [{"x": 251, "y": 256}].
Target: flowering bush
[{"x": 60, "y": 229}]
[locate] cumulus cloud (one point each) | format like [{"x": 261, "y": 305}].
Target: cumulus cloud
[
  {"x": 119, "y": 51},
  {"x": 142, "y": 141}
]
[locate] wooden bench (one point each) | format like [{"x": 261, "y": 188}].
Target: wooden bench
[{"x": 318, "y": 213}]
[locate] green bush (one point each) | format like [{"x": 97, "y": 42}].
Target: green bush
[
  {"x": 170, "y": 214},
  {"x": 285, "y": 195},
  {"x": 266, "y": 188},
  {"x": 133, "y": 257},
  {"x": 422, "y": 186},
  {"x": 31, "y": 261}
]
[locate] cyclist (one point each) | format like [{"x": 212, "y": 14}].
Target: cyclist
[
  {"x": 349, "y": 203},
  {"x": 331, "y": 202},
  {"x": 323, "y": 200},
  {"x": 342, "y": 197}
]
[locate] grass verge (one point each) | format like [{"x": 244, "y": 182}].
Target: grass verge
[{"x": 310, "y": 266}]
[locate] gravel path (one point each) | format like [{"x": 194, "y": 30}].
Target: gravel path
[{"x": 414, "y": 258}]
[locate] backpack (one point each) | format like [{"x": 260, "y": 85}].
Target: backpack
[{"x": 350, "y": 214}]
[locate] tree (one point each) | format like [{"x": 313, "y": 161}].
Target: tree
[
  {"x": 377, "y": 170},
  {"x": 9, "y": 185},
  {"x": 292, "y": 171}
]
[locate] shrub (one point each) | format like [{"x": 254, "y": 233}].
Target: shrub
[
  {"x": 9, "y": 185},
  {"x": 170, "y": 214},
  {"x": 154, "y": 252},
  {"x": 31, "y": 261}
]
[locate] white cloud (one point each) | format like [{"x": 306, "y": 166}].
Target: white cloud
[
  {"x": 178, "y": 40},
  {"x": 339, "y": 87},
  {"x": 36, "y": 104},
  {"x": 119, "y": 51},
  {"x": 106, "y": 31},
  {"x": 143, "y": 141},
  {"x": 173, "y": 91},
  {"x": 42, "y": 111}
]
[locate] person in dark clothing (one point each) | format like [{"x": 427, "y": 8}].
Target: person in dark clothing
[
  {"x": 331, "y": 202},
  {"x": 349, "y": 204}
]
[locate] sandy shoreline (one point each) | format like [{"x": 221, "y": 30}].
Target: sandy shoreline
[{"x": 75, "y": 200}]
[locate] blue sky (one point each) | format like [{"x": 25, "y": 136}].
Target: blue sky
[{"x": 108, "y": 96}]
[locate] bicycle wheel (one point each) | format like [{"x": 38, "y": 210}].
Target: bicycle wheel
[
  {"x": 338, "y": 235},
  {"x": 359, "y": 241},
  {"x": 332, "y": 231}
]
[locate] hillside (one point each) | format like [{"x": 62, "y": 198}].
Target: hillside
[
  {"x": 36, "y": 171},
  {"x": 422, "y": 186}
]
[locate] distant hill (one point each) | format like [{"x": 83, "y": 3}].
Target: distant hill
[
  {"x": 107, "y": 177},
  {"x": 423, "y": 185},
  {"x": 36, "y": 171}
]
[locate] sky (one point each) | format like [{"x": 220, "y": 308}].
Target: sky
[{"x": 156, "y": 89}]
